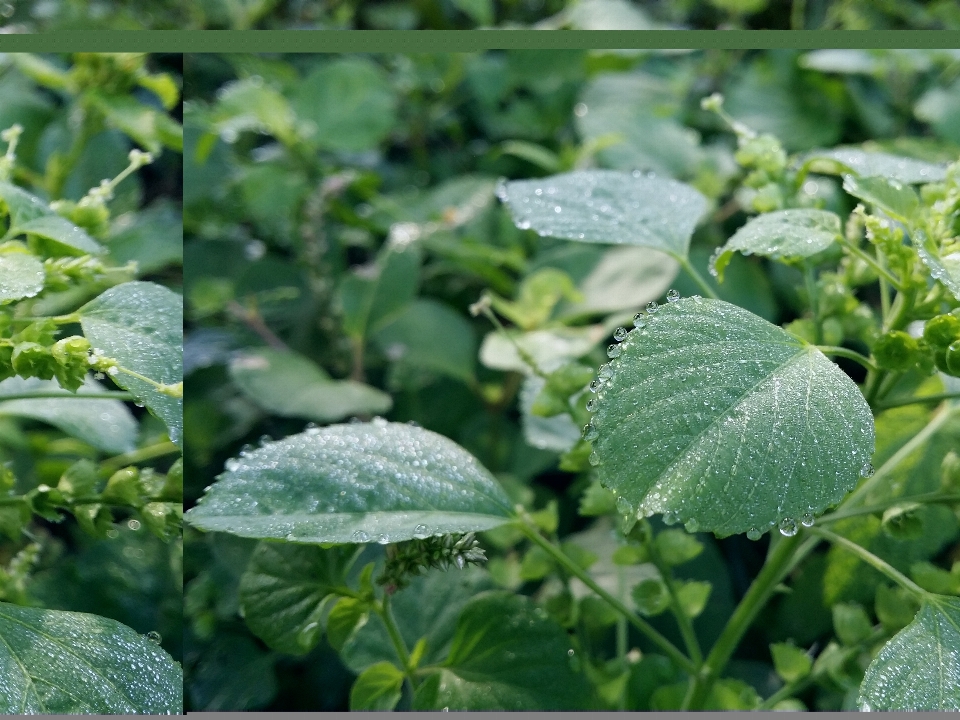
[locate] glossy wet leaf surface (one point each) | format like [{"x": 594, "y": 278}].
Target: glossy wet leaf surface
[
  {"x": 105, "y": 424},
  {"x": 140, "y": 324},
  {"x": 792, "y": 233},
  {"x": 285, "y": 383},
  {"x": 842, "y": 160},
  {"x": 715, "y": 416},
  {"x": 29, "y": 214},
  {"x": 354, "y": 483},
  {"x": 606, "y": 206},
  {"x": 506, "y": 654},
  {"x": 943, "y": 265},
  {"x": 54, "y": 662},
  {"x": 919, "y": 668},
  {"x": 21, "y": 276}
]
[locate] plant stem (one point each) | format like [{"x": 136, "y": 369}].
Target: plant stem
[
  {"x": 787, "y": 553},
  {"x": 386, "y": 614},
  {"x": 926, "y": 498},
  {"x": 695, "y": 276},
  {"x": 810, "y": 278},
  {"x": 526, "y": 357},
  {"x": 872, "y": 262},
  {"x": 850, "y": 354},
  {"x": 683, "y": 620},
  {"x": 111, "y": 465},
  {"x": 871, "y": 559},
  {"x": 54, "y": 395},
  {"x": 917, "y": 400},
  {"x": 659, "y": 640}
]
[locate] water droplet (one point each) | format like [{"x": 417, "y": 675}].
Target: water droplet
[
  {"x": 590, "y": 432},
  {"x": 379, "y": 422},
  {"x": 652, "y": 306},
  {"x": 669, "y": 518},
  {"x": 265, "y": 440},
  {"x": 360, "y": 536},
  {"x": 613, "y": 351},
  {"x": 866, "y": 471},
  {"x": 672, "y": 296},
  {"x": 754, "y": 534},
  {"x": 591, "y": 405},
  {"x": 605, "y": 372},
  {"x": 133, "y": 524},
  {"x": 383, "y": 539},
  {"x": 807, "y": 520},
  {"x": 594, "y": 459},
  {"x": 623, "y": 506},
  {"x": 788, "y": 527},
  {"x": 619, "y": 334},
  {"x": 421, "y": 531},
  {"x": 154, "y": 637},
  {"x": 691, "y": 526},
  {"x": 639, "y": 320},
  {"x": 570, "y": 652},
  {"x": 594, "y": 386}
]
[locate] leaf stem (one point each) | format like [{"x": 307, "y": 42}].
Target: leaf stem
[
  {"x": 659, "y": 640},
  {"x": 696, "y": 277},
  {"x": 875, "y": 264},
  {"x": 111, "y": 465},
  {"x": 483, "y": 306},
  {"x": 810, "y": 278},
  {"x": 386, "y": 615},
  {"x": 926, "y": 499},
  {"x": 917, "y": 400},
  {"x": 54, "y": 395},
  {"x": 781, "y": 560},
  {"x": 871, "y": 559},
  {"x": 847, "y": 353}
]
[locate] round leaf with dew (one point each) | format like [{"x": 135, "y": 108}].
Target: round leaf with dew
[
  {"x": 793, "y": 233},
  {"x": 21, "y": 276},
  {"x": 606, "y": 206},
  {"x": 354, "y": 483},
  {"x": 919, "y": 668},
  {"x": 140, "y": 325},
  {"x": 285, "y": 589},
  {"x": 54, "y": 662},
  {"x": 716, "y": 418},
  {"x": 843, "y": 160},
  {"x": 506, "y": 654}
]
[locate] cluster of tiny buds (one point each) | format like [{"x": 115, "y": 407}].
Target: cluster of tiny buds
[{"x": 102, "y": 364}]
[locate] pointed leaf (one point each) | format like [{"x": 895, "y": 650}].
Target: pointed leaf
[
  {"x": 783, "y": 234},
  {"x": 843, "y": 160},
  {"x": 21, "y": 276},
  {"x": 105, "y": 424},
  {"x": 506, "y": 654},
  {"x": 285, "y": 383},
  {"x": 140, "y": 325},
  {"x": 605, "y": 206},
  {"x": 54, "y": 662},
  {"x": 377, "y": 688},
  {"x": 944, "y": 266},
  {"x": 716, "y": 416},
  {"x": 284, "y": 591},
  {"x": 919, "y": 668},
  {"x": 30, "y": 214},
  {"x": 352, "y": 483},
  {"x": 892, "y": 196}
]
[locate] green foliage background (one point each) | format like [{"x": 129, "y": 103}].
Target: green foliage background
[{"x": 344, "y": 208}]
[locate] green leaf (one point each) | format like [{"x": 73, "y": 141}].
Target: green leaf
[
  {"x": 715, "y": 416},
  {"x": 153, "y": 238},
  {"x": 692, "y": 596},
  {"x": 844, "y": 160},
  {"x": 677, "y": 547},
  {"x": 506, "y": 654},
  {"x": 250, "y": 105},
  {"x": 377, "y": 688},
  {"x": 354, "y": 483},
  {"x": 895, "y": 198},
  {"x": 348, "y": 104},
  {"x": 790, "y": 662},
  {"x": 548, "y": 348},
  {"x": 344, "y": 618},
  {"x": 895, "y": 607},
  {"x": 58, "y": 662},
  {"x": 430, "y": 335},
  {"x": 558, "y": 433},
  {"x": 851, "y": 623},
  {"x": 651, "y": 596},
  {"x": 944, "y": 266},
  {"x": 285, "y": 383},
  {"x": 105, "y": 424},
  {"x": 918, "y": 669},
  {"x": 140, "y": 325},
  {"x": 21, "y": 276},
  {"x": 605, "y": 206},
  {"x": 285, "y": 590},
  {"x": 783, "y": 234},
  {"x": 376, "y": 294},
  {"x": 148, "y": 127},
  {"x": 31, "y": 215}
]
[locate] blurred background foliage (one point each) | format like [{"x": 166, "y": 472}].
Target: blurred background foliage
[
  {"x": 343, "y": 207},
  {"x": 44, "y": 15},
  {"x": 81, "y": 116}
]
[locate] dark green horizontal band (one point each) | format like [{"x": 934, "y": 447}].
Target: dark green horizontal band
[{"x": 425, "y": 41}]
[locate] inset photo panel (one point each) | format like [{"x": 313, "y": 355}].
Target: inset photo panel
[
  {"x": 569, "y": 380},
  {"x": 91, "y": 384}
]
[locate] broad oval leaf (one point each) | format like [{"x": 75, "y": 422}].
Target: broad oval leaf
[
  {"x": 284, "y": 592},
  {"x": 378, "y": 688},
  {"x": 843, "y": 160},
  {"x": 506, "y": 654},
  {"x": 54, "y": 662},
  {"x": 895, "y": 198},
  {"x": 715, "y": 417},
  {"x": 354, "y": 483},
  {"x": 919, "y": 668},
  {"x": 288, "y": 384},
  {"x": 30, "y": 214},
  {"x": 606, "y": 206},
  {"x": 792, "y": 233},
  {"x": 105, "y": 424},
  {"x": 140, "y": 325},
  {"x": 21, "y": 276}
]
